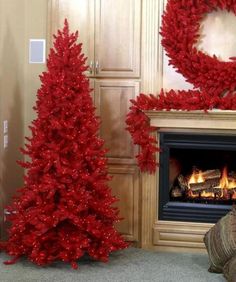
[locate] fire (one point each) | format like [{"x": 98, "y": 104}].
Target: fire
[
  {"x": 223, "y": 188},
  {"x": 196, "y": 177},
  {"x": 205, "y": 194},
  {"x": 224, "y": 183}
]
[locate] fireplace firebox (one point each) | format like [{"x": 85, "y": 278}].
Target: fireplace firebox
[{"x": 197, "y": 176}]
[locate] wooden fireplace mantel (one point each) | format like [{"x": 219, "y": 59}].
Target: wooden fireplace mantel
[
  {"x": 172, "y": 235},
  {"x": 215, "y": 119}
]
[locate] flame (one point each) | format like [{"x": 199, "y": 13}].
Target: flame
[
  {"x": 225, "y": 185},
  {"x": 196, "y": 177},
  {"x": 205, "y": 194},
  {"x": 200, "y": 178},
  {"x": 191, "y": 195}
]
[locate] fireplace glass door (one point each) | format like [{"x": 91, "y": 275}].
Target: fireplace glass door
[{"x": 197, "y": 176}]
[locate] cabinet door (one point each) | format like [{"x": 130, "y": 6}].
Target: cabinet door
[
  {"x": 92, "y": 85},
  {"x": 125, "y": 186},
  {"x": 112, "y": 99},
  {"x": 117, "y": 38},
  {"x": 80, "y": 15}
]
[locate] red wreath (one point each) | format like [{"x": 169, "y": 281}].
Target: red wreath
[
  {"x": 180, "y": 33},
  {"x": 215, "y": 79}
]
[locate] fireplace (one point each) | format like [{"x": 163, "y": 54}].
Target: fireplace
[
  {"x": 184, "y": 221},
  {"x": 197, "y": 179}
]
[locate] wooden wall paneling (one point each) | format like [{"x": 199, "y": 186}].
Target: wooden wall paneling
[
  {"x": 117, "y": 40},
  {"x": 179, "y": 236},
  {"x": 117, "y": 34},
  {"x": 113, "y": 102},
  {"x": 92, "y": 87},
  {"x": 152, "y": 51},
  {"x": 148, "y": 202},
  {"x": 125, "y": 185},
  {"x": 151, "y": 82},
  {"x": 80, "y": 15}
]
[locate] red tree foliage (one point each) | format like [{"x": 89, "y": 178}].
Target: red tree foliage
[{"x": 65, "y": 208}]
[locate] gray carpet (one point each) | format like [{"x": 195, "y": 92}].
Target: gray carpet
[{"x": 126, "y": 266}]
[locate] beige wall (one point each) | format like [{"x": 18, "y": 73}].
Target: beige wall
[
  {"x": 36, "y": 28},
  {"x": 19, "y": 21}
]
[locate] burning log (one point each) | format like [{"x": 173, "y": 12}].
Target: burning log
[
  {"x": 232, "y": 174},
  {"x": 209, "y": 184},
  {"x": 183, "y": 183},
  {"x": 215, "y": 190},
  {"x": 211, "y": 174},
  {"x": 203, "y": 186},
  {"x": 209, "y": 190},
  {"x": 176, "y": 192},
  {"x": 231, "y": 179},
  {"x": 231, "y": 191}
]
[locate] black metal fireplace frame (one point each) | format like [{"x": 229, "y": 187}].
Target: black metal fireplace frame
[{"x": 184, "y": 211}]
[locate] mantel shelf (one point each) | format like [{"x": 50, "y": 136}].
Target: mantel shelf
[
  {"x": 215, "y": 119},
  {"x": 171, "y": 235}
]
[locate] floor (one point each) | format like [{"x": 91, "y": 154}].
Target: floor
[{"x": 126, "y": 266}]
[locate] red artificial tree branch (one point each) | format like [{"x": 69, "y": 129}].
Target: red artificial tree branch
[{"x": 65, "y": 208}]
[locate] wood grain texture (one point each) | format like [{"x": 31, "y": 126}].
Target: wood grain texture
[
  {"x": 80, "y": 15},
  {"x": 110, "y": 33},
  {"x": 113, "y": 102},
  {"x": 152, "y": 51},
  {"x": 215, "y": 119},
  {"x": 149, "y": 200},
  {"x": 180, "y": 234},
  {"x": 117, "y": 38},
  {"x": 125, "y": 186}
]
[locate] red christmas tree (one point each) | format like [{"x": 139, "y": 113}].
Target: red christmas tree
[{"x": 64, "y": 209}]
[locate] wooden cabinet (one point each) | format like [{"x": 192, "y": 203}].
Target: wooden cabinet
[
  {"x": 117, "y": 38},
  {"x": 112, "y": 101},
  {"x": 110, "y": 32},
  {"x": 80, "y": 15},
  {"x": 125, "y": 185}
]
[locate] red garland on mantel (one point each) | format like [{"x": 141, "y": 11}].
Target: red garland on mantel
[{"x": 215, "y": 79}]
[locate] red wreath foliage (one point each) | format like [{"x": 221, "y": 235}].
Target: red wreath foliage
[
  {"x": 183, "y": 18},
  {"x": 215, "y": 79}
]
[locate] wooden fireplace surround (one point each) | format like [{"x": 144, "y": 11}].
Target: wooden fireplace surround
[{"x": 174, "y": 235}]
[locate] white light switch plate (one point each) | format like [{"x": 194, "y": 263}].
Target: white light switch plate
[
  {"x": 5, "y": 126},
  {"x": 37, "y": 51},
  {"x": 5, "y": 141}
]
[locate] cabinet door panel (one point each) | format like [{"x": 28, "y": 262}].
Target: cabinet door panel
[
  {"x": 117, "y": 38},
  {"x": 80, "y": 15},
  {"x": 91, "y": 85},
  {"x": 125, "y": 186},
  {"x": 112, "y": 100}
]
